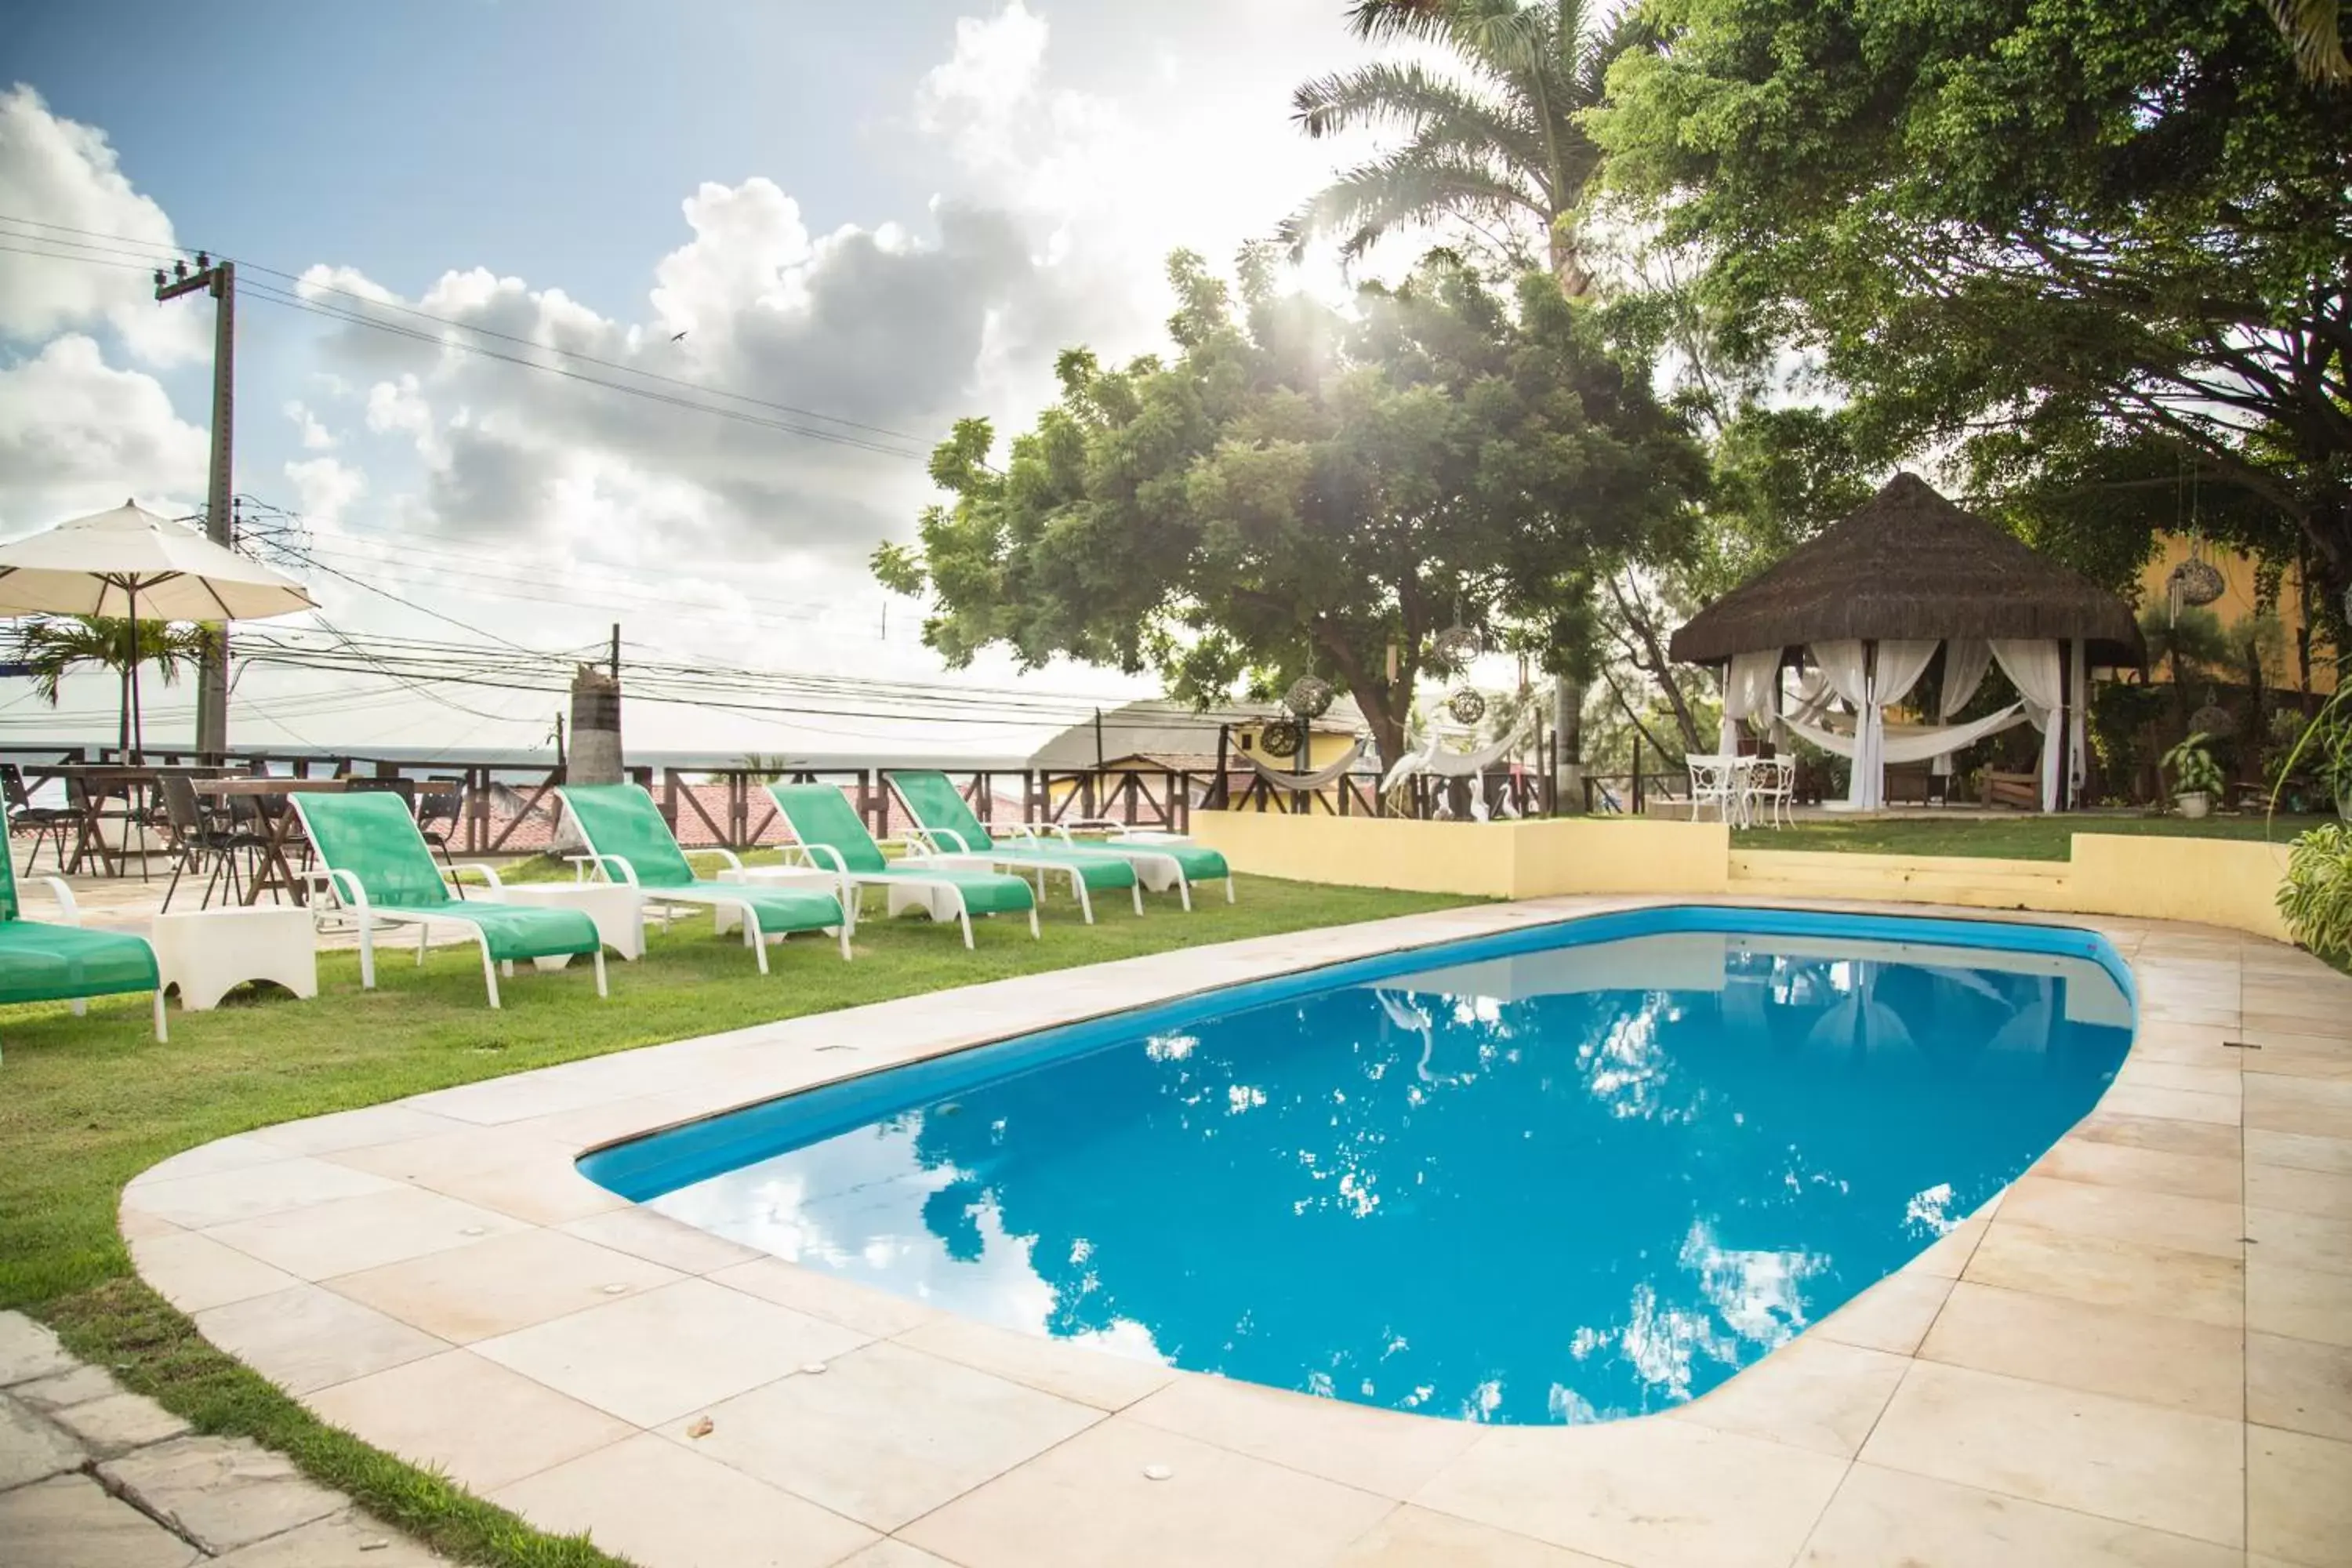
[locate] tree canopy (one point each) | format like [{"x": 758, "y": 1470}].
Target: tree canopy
[
  {"x": 2093, "y": 250},
  {"x": 1296, "y": 488}
]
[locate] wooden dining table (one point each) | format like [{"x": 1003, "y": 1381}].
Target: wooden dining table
[
  {"x": 278, "y": 824},
  {"x": 99, "y": 782}
]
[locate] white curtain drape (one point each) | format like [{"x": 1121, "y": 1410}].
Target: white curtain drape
[
  {"x": 2033, "y": 667},
  {"x": 1966, "y": 659},
  {"x": 1845, "y": 665},
  {"x": 1869, "y": 677},
  {"x": 1747, "y": 692},
  {"x": 1901, "y": 663}
]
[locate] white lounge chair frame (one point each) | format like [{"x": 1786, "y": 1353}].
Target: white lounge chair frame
[
  {"x": 853, "y": 883},
  {"x": 352, "y": 898},
  {"x": 666, "y": 900},
  {"x": 948, "y": 841}
]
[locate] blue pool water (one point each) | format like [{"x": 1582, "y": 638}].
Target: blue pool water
[{"x": 1565, "y": 1175}]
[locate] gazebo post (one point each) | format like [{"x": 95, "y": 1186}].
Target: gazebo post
[
  {"x": 1869, "y": 724},
  {"x": 2078, "y": 700}
]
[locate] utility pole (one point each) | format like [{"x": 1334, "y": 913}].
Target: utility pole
[
  {"x": 218, "y": 279},
  {"x": 616, "y": 650}
]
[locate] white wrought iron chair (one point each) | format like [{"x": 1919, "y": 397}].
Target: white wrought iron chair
[
  {"x": 1771, "y": 784},
  {"x": 1715, "y": 782}
]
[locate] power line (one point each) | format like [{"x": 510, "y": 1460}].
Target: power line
[
  {"x": 302, "y": 281},
  {"x": 273, "y": 295}
]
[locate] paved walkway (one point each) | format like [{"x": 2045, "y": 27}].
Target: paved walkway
[
  {"x": 2137, "y": 1358},
  {"x": 94, "y": 1477}
]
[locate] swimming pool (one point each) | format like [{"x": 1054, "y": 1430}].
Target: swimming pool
[{"x": 1569, "y": 1174}]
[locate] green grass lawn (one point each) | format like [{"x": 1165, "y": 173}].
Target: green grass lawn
[
  {"x": 88, "y": 1103},
  {"x": 2024, "y": 836}
]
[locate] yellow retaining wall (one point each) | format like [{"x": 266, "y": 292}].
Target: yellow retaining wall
[
  {"x": 2216, "y": 882},
  {"x": 2221, "y": 881}
]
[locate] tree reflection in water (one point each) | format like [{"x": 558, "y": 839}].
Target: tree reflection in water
[{"x": 1562, "y": 1187}]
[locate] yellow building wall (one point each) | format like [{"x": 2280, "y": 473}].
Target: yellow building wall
[
  {"x": 2214, "y": 882},
  {"x": 2238, "y": 601}
]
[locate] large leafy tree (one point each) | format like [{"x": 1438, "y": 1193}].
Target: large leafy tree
[
  {"x": 1298, "y": 488},
  {"x": 2086, "y": 247},
  {"x": 1494, "y": 145},
  {"x": 53, "y": 647}
]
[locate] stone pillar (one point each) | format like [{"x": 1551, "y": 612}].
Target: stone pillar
[
  {"x": 595, "y": 727},
  {"x": 596, "y": 754}
]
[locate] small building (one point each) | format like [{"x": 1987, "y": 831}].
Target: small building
[{"x": 1159, "y": 735}]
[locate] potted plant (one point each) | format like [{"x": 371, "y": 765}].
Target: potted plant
[{"x": 2196, "y": 776}]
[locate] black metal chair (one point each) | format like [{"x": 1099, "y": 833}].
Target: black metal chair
[
  {"x": 48, "y": 822},
  {"x": 198, "y": 836},
  {"x": 437, "y": 806}
]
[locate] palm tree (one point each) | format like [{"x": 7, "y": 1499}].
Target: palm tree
[
  {"x": 1495, "y": 146},
  {"x": 56, "y": 647},
  {"x": 2313, "y": 30}
]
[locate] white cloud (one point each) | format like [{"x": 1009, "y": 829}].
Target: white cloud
[
  {"x": 316, "y": 437},
  {"x": 78, "y": 435},
  {"x": 66, "y": 176},
  {"x": 324, "y": 489}
]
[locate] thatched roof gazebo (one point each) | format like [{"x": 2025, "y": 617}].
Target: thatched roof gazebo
[{"x": 1874, "y": 597}]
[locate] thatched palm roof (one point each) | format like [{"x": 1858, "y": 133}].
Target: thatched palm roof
[{"x": 1909, "y": 564}]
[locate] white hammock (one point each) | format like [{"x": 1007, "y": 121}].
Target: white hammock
[
  {"x": 1434, "y": 760},
  {"x": 1908, "y": 744},
  {"x": 1281, "y": 779}
]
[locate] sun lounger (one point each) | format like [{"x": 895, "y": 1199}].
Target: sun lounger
[
  {"x": 953, "y": 830},
  {"x": 950, "y": 823},
  {"x": 45, "y": 961},
  {"x": 832, "y": 837},
  {"x": 381, "y": 871},
  {"x": 629, "y": 842}
]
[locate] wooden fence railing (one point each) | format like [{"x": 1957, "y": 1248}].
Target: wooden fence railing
[{"x": 490, "y": 807}]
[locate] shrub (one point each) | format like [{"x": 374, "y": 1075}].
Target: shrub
[
  {"x": 2316, "y": 896},
  {"x": 2192, "y": 767}
]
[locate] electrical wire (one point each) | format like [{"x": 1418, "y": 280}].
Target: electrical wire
[
  {"x": 302, "y": 281},
  {"x": 286, "y": 299}
]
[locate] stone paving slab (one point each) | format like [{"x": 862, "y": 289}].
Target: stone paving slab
[
  {"x": 93, "y": 1476},
  {"x": 221, "y": 1493},
  {"x": 71, "y": 1521}
]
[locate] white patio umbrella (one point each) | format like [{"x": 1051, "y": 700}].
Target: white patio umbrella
[{"x": 127, "y": 563}]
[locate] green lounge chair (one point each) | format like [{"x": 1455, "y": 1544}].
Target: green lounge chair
[
  {"x": 831, "y": 836},
  {"x": 945, "y": 818},
  {"x": 41, "y": 962},
  {"x": 946, "y": 826},
  {"x": 382, "y": 872},
  {"x": 629, "y": 842}
]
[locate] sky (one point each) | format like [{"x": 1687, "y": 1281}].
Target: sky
[{"x": 880, "y": 218}]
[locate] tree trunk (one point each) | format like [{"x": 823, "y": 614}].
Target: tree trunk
[
  {"x": 1566, "y": 263},
  {"x": 1660, "y": 669},
  {"x": 1568, "y": 726}
]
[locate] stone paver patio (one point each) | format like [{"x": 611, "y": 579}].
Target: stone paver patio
[
  {"x": 2140, "y": 1354},
  {"x": 94, "y": 1477}
]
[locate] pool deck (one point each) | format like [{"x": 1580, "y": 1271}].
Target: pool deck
[{"x": 2140, "y": 1354}]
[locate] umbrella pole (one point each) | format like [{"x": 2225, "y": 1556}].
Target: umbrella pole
[{"x": 138, "y": 737}]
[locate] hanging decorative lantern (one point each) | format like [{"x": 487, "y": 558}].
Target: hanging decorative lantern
[
  {"x": 2195, "y": 581},
  {"x": 1309, "y": 696},
  {"x": 2213, "y": 719},
  {"x": 1466, "y": 706},
  {"x": 1454, "y": 647},
  {"x": 1279, "y": 739}
]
